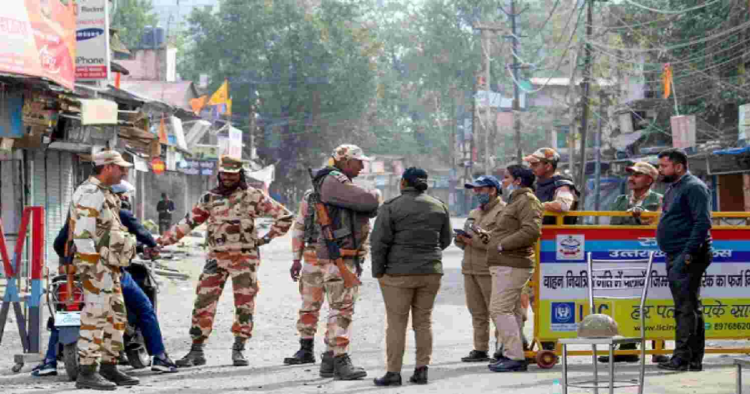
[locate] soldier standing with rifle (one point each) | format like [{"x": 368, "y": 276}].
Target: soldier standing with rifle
[{"x": 342, "y": 210}]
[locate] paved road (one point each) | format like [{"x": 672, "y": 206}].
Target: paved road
[{"x": 275, "y": 337}]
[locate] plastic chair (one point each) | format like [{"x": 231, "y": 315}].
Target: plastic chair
[{"x": 599, "y": 285}]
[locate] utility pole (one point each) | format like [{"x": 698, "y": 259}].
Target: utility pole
[
  {"x": 486, "y": 54},
  {"x": 516, "y": 95},
  {"x": 598, "y": 158},
  {"x": 516, "y": 89},
  {"x": 585, "y": 102}
]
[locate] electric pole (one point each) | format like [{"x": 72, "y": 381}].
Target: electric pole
[
  {"x": 516, "y": 89},
  {"x": 486, "y": 54},
  {"x": 516, "y": 95},
  {"x": 585, "y": 102}
]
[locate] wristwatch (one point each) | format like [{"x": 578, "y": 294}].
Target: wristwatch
[{"x": 266, "y": 240}]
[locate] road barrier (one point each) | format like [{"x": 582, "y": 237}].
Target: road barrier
[{"x": 560, "y": 285}]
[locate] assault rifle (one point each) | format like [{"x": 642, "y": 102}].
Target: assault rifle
[{"x": 326, "y": 228}]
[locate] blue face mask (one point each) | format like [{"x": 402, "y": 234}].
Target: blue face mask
[
  {"x": 483, "y": 198},
  {"x": 511, "y": 188}
]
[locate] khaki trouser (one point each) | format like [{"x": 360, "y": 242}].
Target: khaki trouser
[
  {"x": 505, "y": 307},
  {"x": 478, "y": 289},
  {"x": 402, "y": 294}
]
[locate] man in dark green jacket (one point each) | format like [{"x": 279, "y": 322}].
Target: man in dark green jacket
[{"x": 408, "y": 240}]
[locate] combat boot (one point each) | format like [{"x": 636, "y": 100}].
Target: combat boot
[
  {"x": 89, "y": 378},
  {"x": 238, "y": 355},
  {"x": 110, "y": 372},
  {"x": 343, "y": 369},
  {"x": 326, "y": 364},
  {"x": 194, "y": 358},
  {"x": 304, "y": 355}
]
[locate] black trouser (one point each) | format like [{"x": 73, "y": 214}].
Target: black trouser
[
  {"x": 684, "y": 282},
  {"x": 164, "y": 225}
]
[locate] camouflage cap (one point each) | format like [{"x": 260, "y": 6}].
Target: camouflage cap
[
  {"x": 107, "y": 157},
  {"x": 348, "y": 151},
  {"x": 230, "y": 164},
  {"x": 644, "y": 168},
  {"x": 546, "y": 154}
]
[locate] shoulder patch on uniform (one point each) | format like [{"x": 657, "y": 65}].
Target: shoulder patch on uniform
[{"x": 339, "y": 176}]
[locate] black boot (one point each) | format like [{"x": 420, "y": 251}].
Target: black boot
[
  {"x": 326, "y": 365},
  {"x": 194, "y": 358},
  {"x": 343, "y": 369},
  {"x": 89, "y": 378},
  {"x": 476, "y": 356},
  {"x": 110, "y": 372},
  {"x": 420, "y": 375},
  {"x": 238, "y": 353},
  {"x": 304, "y": 355},
  {"x": 389, "y": 379}
]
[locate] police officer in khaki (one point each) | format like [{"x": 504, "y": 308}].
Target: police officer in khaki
[
  {"x": 408, "y": 240},
  {"x": 477, "y": 279}
]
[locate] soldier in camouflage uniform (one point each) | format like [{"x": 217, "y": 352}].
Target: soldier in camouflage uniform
[
  {"x": 102, "y": 246},
  {"x": 230, "y": 211},
  {"x": 312, "y": 288},
  {"x": 350, "y": 207}
]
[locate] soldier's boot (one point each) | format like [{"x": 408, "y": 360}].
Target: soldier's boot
[
  {"x": 89, "y": 378},
  {"x": 238, "y": 353},
  {"x": 304, "y": 355},
  {"x": 326, "y": 364},
  {"x": 343, "y": 369},
  {"x": 194, "y": 358},
  {"x": 111, "y": 373}
]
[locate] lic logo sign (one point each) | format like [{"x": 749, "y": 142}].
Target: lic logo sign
[{"x": 563, "y": 312}]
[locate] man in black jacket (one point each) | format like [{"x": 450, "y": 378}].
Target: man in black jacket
[
  {"x": 165, "y": 207},
  {"x": 557, "y": 192},
  {"x": 684, "y": 235}
]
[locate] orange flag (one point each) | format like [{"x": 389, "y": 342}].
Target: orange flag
[
  {"x": 666, "y": 79},
  {"x": 198, "y": 103},
  {"x": 163, "y": 132}
]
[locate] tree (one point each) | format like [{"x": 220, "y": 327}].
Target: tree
[
  {"x": 310, "y": 66},
  {"x": 131, "y": 18}
]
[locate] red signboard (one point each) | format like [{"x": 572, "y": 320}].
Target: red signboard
[{"x": 39, "y": 40}]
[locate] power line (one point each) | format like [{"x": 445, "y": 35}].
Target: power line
[{"x": 670, "y": 12}]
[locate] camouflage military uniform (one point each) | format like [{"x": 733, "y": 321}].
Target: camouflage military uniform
[
  {"x": 312, "y": 284},
  {"x": 350, "y": 207},
  {"x": 103, "y": 245},
  {"x": 233, "y": 252}
]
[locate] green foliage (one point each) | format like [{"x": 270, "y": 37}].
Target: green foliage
[{"x": 131, "y": 17}]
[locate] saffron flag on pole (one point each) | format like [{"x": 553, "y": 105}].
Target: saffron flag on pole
[
  {"x": 198, "y": 103},
  {"x": 666, "y": 78},
  {"x": 221, "y": 95},
  {"x": 163, "y": 132}
]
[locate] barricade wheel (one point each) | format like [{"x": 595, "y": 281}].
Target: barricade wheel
[
  {"x": 546, "y": 359},
  {"x": 17, "y": 368}
]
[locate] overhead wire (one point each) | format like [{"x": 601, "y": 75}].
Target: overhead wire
[
  {"x": 559, "y": 63},
  {"x": 670, "y": 12}
]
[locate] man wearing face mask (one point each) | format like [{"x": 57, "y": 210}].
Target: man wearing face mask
[
  {"x": 477, "y": 279},
  {"x": 684, "y": 235}
]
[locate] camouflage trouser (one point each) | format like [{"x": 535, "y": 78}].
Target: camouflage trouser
[
  {"x": 242, "y": 267},
  {"x": 103, "y": 317},
  {"x": 323, "y": 277}
]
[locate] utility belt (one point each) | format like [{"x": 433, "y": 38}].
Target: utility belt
[{"x": 310, "y": 254}]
